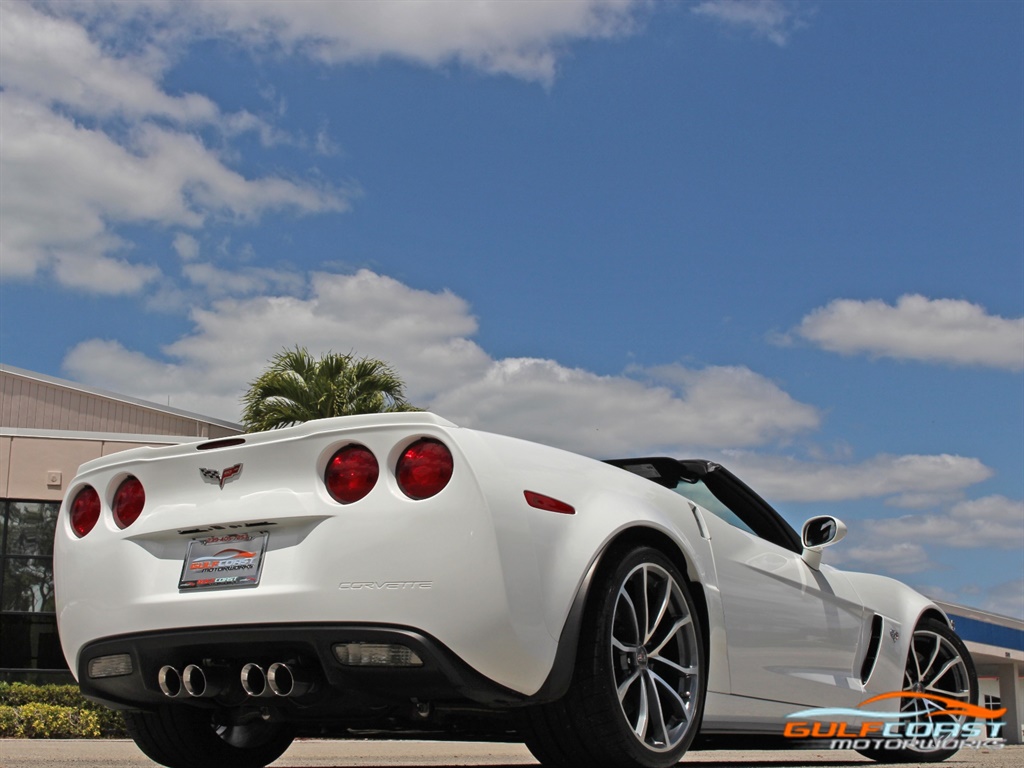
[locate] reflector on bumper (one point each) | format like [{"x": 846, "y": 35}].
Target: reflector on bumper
[
  {"x": 111, "y": 666},
  {"x": 376, "y": 655}
]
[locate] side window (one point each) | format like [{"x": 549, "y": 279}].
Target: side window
[{"x": 702, "y": 495}]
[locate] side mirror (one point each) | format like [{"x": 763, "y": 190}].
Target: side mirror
[{"x": 818, "y": 533}]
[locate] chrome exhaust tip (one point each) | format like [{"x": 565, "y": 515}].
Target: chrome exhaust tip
[
  {"x": 169, "y": 680},
  {"x": 254, "y": 681},
  {"x": 200, "y": 682},
  {"x": 287, "y": 680}
]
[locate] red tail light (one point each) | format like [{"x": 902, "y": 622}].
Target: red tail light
[
  {"x": 351, "y": 473},
  {"x": 85, "y": 511},
  {"x": 129, "y": 501},
  {"x": 424, "y": 469}
]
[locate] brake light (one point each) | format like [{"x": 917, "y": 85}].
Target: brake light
[
  {"x": 129, "y": 501},
  {"x": 85, "y": 511},
  {"x": 424, "y": 469},
  {"x": 351, "y": 473}
]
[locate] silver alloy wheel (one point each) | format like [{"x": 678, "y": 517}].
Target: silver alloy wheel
[
  {"x": 939, "y": 665},
  {"x": 655, "y": 658},
  {"x": 935, "y": 666}
]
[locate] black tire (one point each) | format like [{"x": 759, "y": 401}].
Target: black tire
[
  {"x": 938, "y": 662},
  {"x": 641, "y": 636},
  {"x": 189, "y": 737}
]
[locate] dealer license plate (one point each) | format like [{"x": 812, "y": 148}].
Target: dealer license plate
[{"x": 219, "y": 562}]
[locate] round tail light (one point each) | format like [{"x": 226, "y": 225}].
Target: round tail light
[
  {"x": 85, "y": 511},
  {"x": 351, "y": 473},
  {"x": 424, "y": 469},
  {"x": 129, "y": 501}
]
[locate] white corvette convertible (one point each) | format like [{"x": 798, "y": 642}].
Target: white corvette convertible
[{"x": 398, "y": 574}]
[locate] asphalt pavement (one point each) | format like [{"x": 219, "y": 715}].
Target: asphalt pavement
[{"x": 99, "y": 753}]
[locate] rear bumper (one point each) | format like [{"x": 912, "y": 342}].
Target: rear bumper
[{"x": 442, "y": 678}]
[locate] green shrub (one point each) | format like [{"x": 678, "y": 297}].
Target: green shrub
[{"x": 54, "y": 712}]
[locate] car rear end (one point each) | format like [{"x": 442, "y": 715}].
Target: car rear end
[{"x": 354, "y": 555}]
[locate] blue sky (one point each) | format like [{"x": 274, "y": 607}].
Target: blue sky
[{"x": 785, "y": 235}]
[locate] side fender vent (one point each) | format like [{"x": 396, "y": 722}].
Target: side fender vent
[{"x": 872, "y": 655}]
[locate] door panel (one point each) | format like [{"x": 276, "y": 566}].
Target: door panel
[{"x": 794, "y": 634}]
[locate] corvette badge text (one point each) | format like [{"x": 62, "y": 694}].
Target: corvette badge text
[
  {"x": 924, "y": 722},
  {"x": 377, "y": 586}
]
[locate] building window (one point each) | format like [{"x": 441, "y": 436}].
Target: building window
[{"x": 29, "y": 645}]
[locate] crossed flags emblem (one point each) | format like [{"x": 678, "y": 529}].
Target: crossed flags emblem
[{"x": 221, "y": 477}]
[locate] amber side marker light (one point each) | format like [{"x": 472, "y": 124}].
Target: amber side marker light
[{"x": 548, "y": 504}]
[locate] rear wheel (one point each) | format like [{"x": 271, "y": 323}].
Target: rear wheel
[
  {"x": 637, "y": 691},
  {"x": 938, "y": 663},
  {"x": 189, "y": 737}
]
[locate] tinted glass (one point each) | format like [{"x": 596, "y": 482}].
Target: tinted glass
[
  {"x": 30, "y": 527},
  {"x": 28, "y": 585},
  {"x": 702, "y": 495}
]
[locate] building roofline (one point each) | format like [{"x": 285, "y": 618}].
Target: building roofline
[
  {"x": 118, "y": 397},
  {"x": 108, "y": 437},
  {"x": 967, "y": 612}
]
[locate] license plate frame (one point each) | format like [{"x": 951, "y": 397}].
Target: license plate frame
[{"x": 229, "y": 561}]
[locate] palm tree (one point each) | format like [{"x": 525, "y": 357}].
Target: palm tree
[{"x": 297, "y": 387}]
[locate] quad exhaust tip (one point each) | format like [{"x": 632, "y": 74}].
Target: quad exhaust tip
[
  {"x": 169, "y": 680},
  {"x": 288, "y": 680},
  {"x": 279, "y": 679}
]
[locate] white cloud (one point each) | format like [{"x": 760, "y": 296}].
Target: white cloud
[
  {"x": 427, "y": 337},
  {"x": 789, "y": 479},
  {"x": 906, "y": 544},
  {"x": 1006, "y": 598},
  {"x": 521, "y": 39},
  {"x": 186, "y": 246},
  {"x": 54, "y": 61},
  {"x": 992, "y": 521},
  {"x": 917, "y": 328},
  {"x": 91, "y": 142},
  {"x": 773, "y": 20},
  {"x": 891, "y": 557},
  {"x": 241, "y": 281},
  {"x": 50, "y": 164},
  {"x": 603, "y": 415},
  {"x": 424, "y": 335}
]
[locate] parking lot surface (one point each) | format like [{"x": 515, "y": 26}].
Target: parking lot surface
[{"x": 53, "y": 753}]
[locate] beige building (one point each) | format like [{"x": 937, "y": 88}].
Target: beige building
[{"x": 48, "y": 427}]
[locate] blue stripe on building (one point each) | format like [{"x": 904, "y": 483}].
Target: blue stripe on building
[{"x": 990, "y": 634}]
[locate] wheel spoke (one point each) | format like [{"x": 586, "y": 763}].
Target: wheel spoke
[
  {"x": 625, "y": 685},
  {"x": 662, "y": 610},
  {"x": 618, "y": 645},
  {"x": 672, "y": 693},
  {"x": 684, "y": 671},
  {"x": 923, "y": 673},
  {"x": 965, "y": 695},
  {"x": 643, "y": 713},
  {"x": 660, "y": 731},
  {"x": 942, "y": 672},
  {"x": 632, "y": 617},
  {"x": 678, "y": 625}
]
